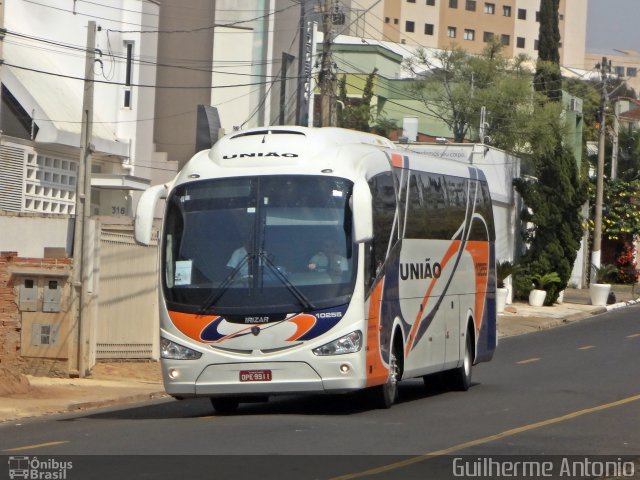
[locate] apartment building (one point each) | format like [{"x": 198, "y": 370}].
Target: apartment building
[
  {"x": 625, "y": 64},
  {"x": 471, "y": 23}
]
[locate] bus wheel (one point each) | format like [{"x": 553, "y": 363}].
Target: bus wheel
[
  {"x": 225, "y": 404},
  {"x": 386, "y": 395},
  {"x": 461, "y": 376}
]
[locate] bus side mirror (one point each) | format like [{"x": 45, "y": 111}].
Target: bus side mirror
[
  {"x": 145, "y": 212},
  {"x": 362, "y": 212}
]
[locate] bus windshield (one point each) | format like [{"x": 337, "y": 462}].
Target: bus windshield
[{"x": 261, "y": 244}]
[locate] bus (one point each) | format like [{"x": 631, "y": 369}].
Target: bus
[{"x": 299, "y": 260}]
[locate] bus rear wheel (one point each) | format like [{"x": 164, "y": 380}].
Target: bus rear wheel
[{"x": 225, "y": 404}]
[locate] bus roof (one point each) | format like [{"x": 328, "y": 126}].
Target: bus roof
[{"x": 304, "y": 150}]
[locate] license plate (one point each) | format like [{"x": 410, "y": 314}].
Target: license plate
[{"x": 255, "y": 375}]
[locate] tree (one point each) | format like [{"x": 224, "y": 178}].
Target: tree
[
  {"x": 548, "y": 78},
  {"x": 457, "y": 85},
  {"x": 356, "y": 114},
  {"x": 553, "y": 201}
]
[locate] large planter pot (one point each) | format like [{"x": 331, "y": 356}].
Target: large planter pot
[
  {"x": 501, "y": 299},
  {"x": 536, "y": 297},
  {"x": 599, "y": 293}
]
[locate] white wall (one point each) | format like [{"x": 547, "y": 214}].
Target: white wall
[{"x": 28, "y": 234}]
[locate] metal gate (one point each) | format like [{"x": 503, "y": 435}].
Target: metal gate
[{"x": 127, "y": 309}]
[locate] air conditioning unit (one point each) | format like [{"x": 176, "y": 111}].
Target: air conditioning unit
[{"x": 575, "y": 105}]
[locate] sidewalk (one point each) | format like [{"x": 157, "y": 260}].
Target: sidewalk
[{"x": 125, "y": 382}]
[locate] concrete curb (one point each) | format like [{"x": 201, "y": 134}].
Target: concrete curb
[{"x": 90, "y": 405}]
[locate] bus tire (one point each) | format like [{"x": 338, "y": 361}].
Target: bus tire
[
  {"x": 384, "y": 396},
  {"x": 461, "y": 377},
  {"x": 225, "y": 404}
]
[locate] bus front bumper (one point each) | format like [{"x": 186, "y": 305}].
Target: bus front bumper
[{"x": 259, "y": 378}]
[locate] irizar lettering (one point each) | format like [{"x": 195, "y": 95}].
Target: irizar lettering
[
  {"x": 256, "y": 319},
  {"x": 260, "y": 154},
  {"x": 420, "y": 271}
]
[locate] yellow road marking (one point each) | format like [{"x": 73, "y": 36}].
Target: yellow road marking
[
  {"x": 528, "y": 360},
  {"x": 634, "y": 335},
  {"x": 490, "y": 438},
  {"x": 587, "y": 347},
  {"x": 31, "y": 447}
]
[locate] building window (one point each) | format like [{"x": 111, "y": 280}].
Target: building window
[
  {"x": 431, "y": 3},
  {"x": 520, "y": 42},
  {"x": 409, "y": 26},
  {"x": 619, "y": 71},
  {"x": 395, "y": 21},
  {"x": 538, "y": 17},
  {"x": 411, "y": 1},
  {"x": 387, "y": 19},
  {"x": 128, "y": 75},
  {"x": 632, "y": 71},
  {"x": 506, "y": 10},
  {"x": 487, "y": 36},
  {"x": 451, "y": 32},
  {"x": 505, "y": 39},
  {"x": 428, "y": 28},
  {"x": 536, "y": 44},
  {"x": 453, "y": 3},
  {"x": 522, "y": 14},
  {"x": 469, "y": 34},
  {"x": 490, "y": 8},
  {"x": 470, "y": 5}
]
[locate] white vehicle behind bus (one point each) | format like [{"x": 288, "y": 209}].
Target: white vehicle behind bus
[{"x": 297, "y": 260}]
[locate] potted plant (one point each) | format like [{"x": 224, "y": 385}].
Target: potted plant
[
  {"x": 503, "y": 270},
  {"x": 541, "y": 282},
  {"x": 599, "y": 287}
]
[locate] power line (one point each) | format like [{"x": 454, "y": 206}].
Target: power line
[{"x": 108, "y": 82}]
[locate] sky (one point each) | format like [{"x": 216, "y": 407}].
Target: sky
[{"x": 613, "y": 24}]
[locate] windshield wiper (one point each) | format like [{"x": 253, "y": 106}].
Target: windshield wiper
[
  {"x": 213, "y": 298},
  {"x": 302, "y": 298}
]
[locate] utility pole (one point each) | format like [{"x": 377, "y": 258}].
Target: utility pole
[
  {"x": 79, "y": 355},
  {"x": 327, "y": 77},
  {"x": 305, "y": 59},
  {"x": 605, "y": 68},
  {"x": 616, "y": 132}
]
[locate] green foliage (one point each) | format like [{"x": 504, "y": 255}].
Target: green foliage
[
  {"x": 548, "y": 79},
  {"x": 543, "y": 281},
  {"x": 503, "y": 270},
  {"x": 552, "y": 207},
  {"x": 621, "y": 208},
  {"x": 604, "y": 273},
  {"x": 460, "y": 84},
  {"x": 355, "y": 114},
  {"x": 552, "y": 199}
]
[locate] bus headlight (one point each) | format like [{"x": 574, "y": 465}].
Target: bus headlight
[
  {"x": 175, "y": 351},
  {"x": 350, "y": 343}
]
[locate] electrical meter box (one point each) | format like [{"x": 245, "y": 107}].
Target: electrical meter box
[
  {"x": 28, "y": 294},
  {"x": 52, "y": 295}
]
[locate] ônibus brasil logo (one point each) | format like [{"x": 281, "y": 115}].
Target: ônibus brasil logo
[{"x": 38, "y": 469}]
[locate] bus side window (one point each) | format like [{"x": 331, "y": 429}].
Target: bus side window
[{"x": 384, "y": 209}]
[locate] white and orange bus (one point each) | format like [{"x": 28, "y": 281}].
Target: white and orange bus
[{"x": 299, "y": 260}]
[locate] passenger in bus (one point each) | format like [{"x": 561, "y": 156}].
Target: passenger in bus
[
  {"x": 328, "y": 260},
  {"x": 238, "y": 256}
]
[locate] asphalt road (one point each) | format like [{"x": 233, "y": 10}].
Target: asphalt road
[{"x": 573, "y": 390}]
